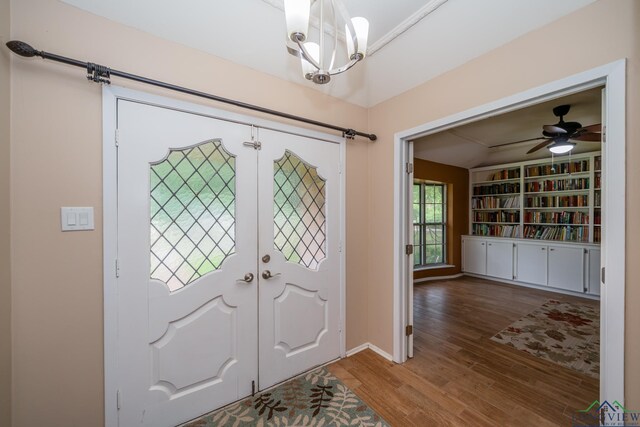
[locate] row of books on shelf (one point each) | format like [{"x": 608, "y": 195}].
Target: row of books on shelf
[
  {"x": 496, "y": 230},
  {"x": 556, "y": 201},
  {"x": 557, "y": 185},
  {"x": 597, "y": 235},
  {"x": 598, "y": 181},
  {"x": 556, "y": 217},
  {"x": 504, "y": 174},
  {"x": 597, "y": 217},
  {"x": 489, "y": 202},
  {"x": 504, "y": 188},
  {"x": 597, "y": 199},
  {"x": 502, "y": 216},
  {"x": 558, "y": 168},
  {"x": 597, "y": 163},
  {"x": 551, "y": 232}
]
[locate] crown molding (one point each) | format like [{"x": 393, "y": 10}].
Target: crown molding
[
  {"x": 398, "y": 30},
  {"x": 405, "y": 25}
]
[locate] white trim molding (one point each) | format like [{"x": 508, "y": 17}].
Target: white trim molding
[
  {"x": 612, "y": 326},
  {"x": 431, "y": 279},
  {"x": 371, "y": 347}
]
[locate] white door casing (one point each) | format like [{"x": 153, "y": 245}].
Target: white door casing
[
  {"x": 612, "y": 330},
  {"x": 170, "y": 365}
]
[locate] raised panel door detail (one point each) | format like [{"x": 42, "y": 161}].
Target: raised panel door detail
[
  {"x": 294, "y": 303},
  {"x": 299, "y": 211},
  {"x": 532, "y": 263},
  {"x": 189, "y": 356},
  {"x": 475, "y": 256},
  {"x": 192, "y": 202},
  {"x": 566, "y": 268},
  {"x": 500, "y": 259}
]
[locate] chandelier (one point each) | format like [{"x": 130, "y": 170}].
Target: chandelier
[{"x": 317, "y": 61}]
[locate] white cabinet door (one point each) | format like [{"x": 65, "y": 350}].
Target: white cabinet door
[
  {"x": 594, "y": 271},
  {"x": 531, "y": 263},
  {"x": 500, "y": 259},
  {"x": 475, "y": 256},
  {"x": 566, "y": 268}
]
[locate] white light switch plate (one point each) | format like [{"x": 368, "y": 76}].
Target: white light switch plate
[{"x": 76, "y": 219}]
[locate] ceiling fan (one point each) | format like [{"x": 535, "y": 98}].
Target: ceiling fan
[{"x": 562, "y": 137}]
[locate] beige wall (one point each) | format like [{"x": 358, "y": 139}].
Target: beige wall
[
  {"x": 56, "y": 161},
  {"x": 56, "y": 147},
  {"x": 603, "y": 32},
  {"x": 5, "y": 266}
]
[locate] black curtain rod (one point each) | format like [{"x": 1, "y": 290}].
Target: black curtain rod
[{"x": 102, "y": 74}]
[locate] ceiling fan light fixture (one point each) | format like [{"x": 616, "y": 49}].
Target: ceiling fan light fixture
[{"x": 561, "y": 147}]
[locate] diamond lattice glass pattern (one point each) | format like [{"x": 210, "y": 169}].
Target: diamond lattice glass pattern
[
  {"x": 299, "y": 218},
  {"x": 192, "y": 213}
]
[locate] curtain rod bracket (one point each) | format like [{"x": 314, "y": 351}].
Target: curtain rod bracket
[
  {"x": 102, "y": 74},
  {"x": 349, "y": 134},
  {"x": 98, "y": 73}
]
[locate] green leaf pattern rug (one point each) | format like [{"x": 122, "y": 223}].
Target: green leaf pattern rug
[{"x": 317, "y": 399}]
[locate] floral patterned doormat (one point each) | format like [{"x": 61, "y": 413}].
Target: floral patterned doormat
[
  {"x": 563, "y": 333},
  {"x": 317, "y": 399}
]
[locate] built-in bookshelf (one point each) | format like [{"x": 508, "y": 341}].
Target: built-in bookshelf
[
  {"x": 539, "y": 199},
  {"x": 597, "y": 198}
]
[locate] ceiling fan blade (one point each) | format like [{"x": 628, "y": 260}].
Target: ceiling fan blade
[
  {"x": 541, "y": 145},
  {"x": 589, "y": 136},
  {"x": 553, "y": 129},
  {"x": 517, "y": 142},
  {"x": 593, "y": 128}
]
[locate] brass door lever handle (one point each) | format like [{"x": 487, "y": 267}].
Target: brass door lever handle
[
  {"x": 248, "y": 278},
  {"x": 267, "y": 274}
]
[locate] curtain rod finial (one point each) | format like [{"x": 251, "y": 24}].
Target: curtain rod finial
[{"x": 22, "y": 48}]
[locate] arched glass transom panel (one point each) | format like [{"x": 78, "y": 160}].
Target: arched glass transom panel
[
  {"x": 192, "y": 213},
  {"x": 299, "y": 211}
]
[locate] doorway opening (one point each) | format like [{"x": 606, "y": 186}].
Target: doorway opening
[{"x": 612, "y": 77}]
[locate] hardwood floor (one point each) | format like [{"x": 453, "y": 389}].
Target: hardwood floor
[{"x": 459, "y": 376}]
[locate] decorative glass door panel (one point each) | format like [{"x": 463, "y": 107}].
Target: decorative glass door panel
[
  {"x": 192, "y": 213},
  {"x": 299, "y": 211}
]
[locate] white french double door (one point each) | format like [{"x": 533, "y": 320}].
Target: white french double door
[{"x": 229, "y": 264}]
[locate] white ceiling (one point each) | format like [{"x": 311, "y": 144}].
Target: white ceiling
[
  {"x": 447, "y": 34},
  {"x": 467, "y": 146}
]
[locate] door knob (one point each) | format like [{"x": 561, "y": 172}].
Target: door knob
[
  {"x": 248, "y": 278},
  {"x": 267, "y": 274}
]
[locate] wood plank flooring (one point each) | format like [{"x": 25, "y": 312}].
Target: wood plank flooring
[{"x": 459, "y": 377}]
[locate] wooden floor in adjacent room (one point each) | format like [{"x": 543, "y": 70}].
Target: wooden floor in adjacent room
[{"x": 458, "y": 375}]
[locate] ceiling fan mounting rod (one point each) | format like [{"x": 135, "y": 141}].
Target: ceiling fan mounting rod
[{"x": 102, "y": 74}]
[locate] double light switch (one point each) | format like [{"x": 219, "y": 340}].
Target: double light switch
[{"x": 76, "y": 219}]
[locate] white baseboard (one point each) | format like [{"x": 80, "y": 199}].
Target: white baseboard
[
  {"x": 429, "y": 279},
  {"x": 373, "y": 348},
  {"x": 357, "y": 349}
]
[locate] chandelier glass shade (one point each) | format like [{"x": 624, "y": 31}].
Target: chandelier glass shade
[{"x": 318, "y": 59}]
